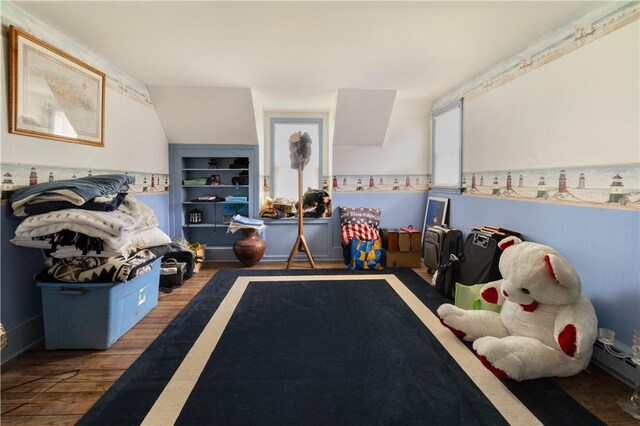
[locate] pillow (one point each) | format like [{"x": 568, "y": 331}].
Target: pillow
[
  {"x": 365, "y": 254},
  {"x": 149, "y": 238},
  {"x": 360, "y": 216}
]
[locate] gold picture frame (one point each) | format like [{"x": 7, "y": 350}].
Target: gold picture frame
[{"x": 53, "y": 95}]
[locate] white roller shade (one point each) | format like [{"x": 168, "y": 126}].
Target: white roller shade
[{"x": 447, "y": 142}]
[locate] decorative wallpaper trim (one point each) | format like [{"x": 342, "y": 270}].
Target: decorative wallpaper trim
[
  {"x": 16, "y": 175},
  {"x": 116, "y": 79},
  {"x": 613, "y": 186},
  {"x": 368, "y": 183},
  {"x": 571, "y": 36}
]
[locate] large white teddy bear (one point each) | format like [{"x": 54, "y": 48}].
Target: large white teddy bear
[{"x": 546, "y": 327}]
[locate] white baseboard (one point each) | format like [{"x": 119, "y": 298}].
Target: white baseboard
[
  {"x": 22, "y": 337},
  {"x": 624, "y": 370}
]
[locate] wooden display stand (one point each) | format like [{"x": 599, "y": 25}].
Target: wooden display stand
[{"x": 301, "y": 244}]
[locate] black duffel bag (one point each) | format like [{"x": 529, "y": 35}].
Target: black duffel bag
[
  {"x": 186, "y": 256},
  {"x": 172, "y": 274}
]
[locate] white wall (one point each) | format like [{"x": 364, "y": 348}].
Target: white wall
[
  {"x": 258, "y": 115},
  {"x": 405, "y": 149},
  {"x": 134, "y": 139},
  {"x": 280, "y": 103},
  {"x": 219, "y": 115},
  {"x": 362, "y": 117},
  {"x": 580, "y": 109}
]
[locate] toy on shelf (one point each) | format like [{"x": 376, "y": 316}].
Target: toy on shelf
[{"x": 546, "y": 327}]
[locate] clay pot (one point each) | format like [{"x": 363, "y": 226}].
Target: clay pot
[{"x": 250, "y": 248}]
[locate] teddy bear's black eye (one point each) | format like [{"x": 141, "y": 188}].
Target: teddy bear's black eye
[{"x": 525, "y": 291}]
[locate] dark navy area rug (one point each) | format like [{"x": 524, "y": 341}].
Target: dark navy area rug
[{"x": 319, "y": 352}]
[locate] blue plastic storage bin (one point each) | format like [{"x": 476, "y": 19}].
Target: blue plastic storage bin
[{"x": 95, "y": 315}]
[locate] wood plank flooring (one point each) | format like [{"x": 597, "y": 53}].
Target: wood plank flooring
[{"x": 43, "y": 387}]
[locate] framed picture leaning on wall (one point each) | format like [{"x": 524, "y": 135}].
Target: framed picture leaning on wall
[
  {"x": 53, "y": 95},
  {"x": 436, "y": 213}
]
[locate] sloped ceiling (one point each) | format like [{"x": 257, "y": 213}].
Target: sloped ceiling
[
  {"x": 362, "y": 117},
  {"x": 421, "y": 48},
  {"x": 190, "y": 52},
  {"x": 205, "y": 114}
]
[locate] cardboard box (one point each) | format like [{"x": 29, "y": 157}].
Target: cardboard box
[
  {"x": 95, "y": 315},
  {"x": 409, "y": 259},
  {"x": 404, "y": 241},
  {"x": 416, "y": 241}
]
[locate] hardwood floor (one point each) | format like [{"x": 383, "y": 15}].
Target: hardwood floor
[{"x": 43, "y": 387}]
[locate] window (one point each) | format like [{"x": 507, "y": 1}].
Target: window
[
  {"x": 446, "y": 173},
  {"x": 284, "y": 179}
]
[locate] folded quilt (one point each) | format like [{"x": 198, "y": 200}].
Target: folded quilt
[
  {"x": 74, "y": 191},
  {"x": 107, "y": 203},
  {"x": 112, "y": 227},
  {"x": 151, "y": 237},
  {"x": 99, "y": 269},
  {"x": 69, "y": 251},
  {"x": 66, "y": 244}
]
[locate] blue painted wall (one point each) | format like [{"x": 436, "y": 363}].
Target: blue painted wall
[
  {"x": 159, "y": 203},
  {"x": 602, "y": 244},
  {"x": 20, "y": 301},
  {"x": 20, "y": 305}
]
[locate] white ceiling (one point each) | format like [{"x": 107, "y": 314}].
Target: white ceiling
[{"x": 422, "y": 49}]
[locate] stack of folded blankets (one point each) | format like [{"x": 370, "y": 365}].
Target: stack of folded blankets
[{"x": 90, "y": 229}]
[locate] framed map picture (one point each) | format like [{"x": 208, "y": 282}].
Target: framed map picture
[{"x": 53, "y": 95}]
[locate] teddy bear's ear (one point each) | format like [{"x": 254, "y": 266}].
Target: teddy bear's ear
[
  {"x": 561, "y": 271},
  {"x": 508, "y": 242}
]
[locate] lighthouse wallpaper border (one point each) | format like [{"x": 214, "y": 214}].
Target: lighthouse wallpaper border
[
  {"x": 16, "y": 176},
  {"x": 613, "y": 186},
  {"x": 374, "y": 182}
]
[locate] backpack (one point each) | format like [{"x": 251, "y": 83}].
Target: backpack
[{"x": 444, "y": 279}]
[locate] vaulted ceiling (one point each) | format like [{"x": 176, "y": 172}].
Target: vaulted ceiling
[{"x": 420, "y": 49}]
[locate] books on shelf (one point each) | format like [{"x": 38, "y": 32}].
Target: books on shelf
[
  {"x": 235, "y": 198},
  {"x": 208, "y": 198},
  {"x": 500, "y": 231}
]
